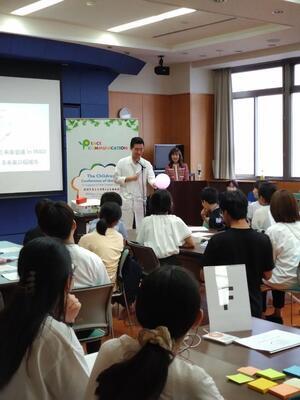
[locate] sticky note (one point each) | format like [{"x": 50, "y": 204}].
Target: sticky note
[
  {"x": 294, "y": 370},
  {"x": 293, "y": 382},
  {"x": 261, "y": 385},
  {"x": 250, "y": 371},
  {"x": 239, "y": 378},
  {"x": 271, "y": 373},
  {"x": 283, "y": 391}
]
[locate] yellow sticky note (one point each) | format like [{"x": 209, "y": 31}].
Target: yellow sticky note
[
  {"x": 250, "y": 371},
  {"x": 271, "y": 373},
  {"x": 239, "y": 378},
  {"x": 261, "y": 385}
]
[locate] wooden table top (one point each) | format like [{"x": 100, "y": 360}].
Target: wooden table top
[{"x": 220, "y": 360}]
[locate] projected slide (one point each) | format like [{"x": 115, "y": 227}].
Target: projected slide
[
  {"x": 30, "y": 136},
  {"x": 24, "y": 137}
]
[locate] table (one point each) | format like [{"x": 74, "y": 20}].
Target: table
[
  {"x": 219, "y": 360},
  {"x": 6, "y": 286}
]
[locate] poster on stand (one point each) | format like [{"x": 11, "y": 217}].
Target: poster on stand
[{"x": 94, "y": 146}]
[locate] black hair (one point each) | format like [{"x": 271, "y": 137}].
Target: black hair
[
  {"x": 257, "y": 184},
  {"x": 170, "y": 297},
  {"x": 56, "y": 219},
  {"x": 136, "y": 140},
  {"x": 234, "y": 183},
  {"x": 235, "y": 203},
  {"x": 175, "y": 150},
  {"x": 44, "y": 267},
  {"x": 111, "y": 196},
  {"x": 266, "y": 191},
  {"x": 110, "y": 213},
  {"x": 161, "y": 202},
  {"x": 210, "y": 195},
  {"x": 40, "y": 205}
]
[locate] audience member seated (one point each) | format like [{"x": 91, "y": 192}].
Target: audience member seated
[
  {"x": 57, "y": 219},
  {"x": 167, "y": 307},
  {"x": 163, "y": 231},
  {"x": 262, "y": 217},
  {"x": 232, "y": 186},
  {"x": 253, "y": 195},
  {"x": 115, "y": 198},
  {"x": 240, "y": 244},
  {"x": 285, "y": 238},
  {"x": 106, "y": 242},
  {"x": 177, "y": 169},
  {"x": 211, "y": 212},
  {"x": 252, "y": 207},
  {"x": 40, "y": 356},
  {"x": 36, "y": 232}
]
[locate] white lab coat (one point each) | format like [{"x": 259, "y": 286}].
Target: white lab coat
[{"x": 134, "y": 194}]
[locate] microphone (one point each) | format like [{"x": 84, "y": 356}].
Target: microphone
[{"x": 143, "y": 166}]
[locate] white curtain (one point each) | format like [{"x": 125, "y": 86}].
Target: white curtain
[{"x": 223, "y": 164}]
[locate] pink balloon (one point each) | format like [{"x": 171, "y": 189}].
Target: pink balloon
[{"x": 162, "y": 181}]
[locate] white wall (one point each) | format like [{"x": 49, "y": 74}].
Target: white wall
[
  {"x": 201, "y": 80},
  {"x": 182, "y": 79}
]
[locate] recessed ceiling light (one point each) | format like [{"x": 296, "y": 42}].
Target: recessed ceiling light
[
  {"x": 36, "y": 6},
  {"x": 276, "y": 12},
  {"x": 151, "y": 20}
]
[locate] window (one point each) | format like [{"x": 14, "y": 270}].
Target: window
[
  {"x": 269, "y": 145},
  {"x": 295, "y": 142},
  {"x": 258, "y": 122},
  {"x": 243, "y": 121},
  {"x": 268, "y": 78}
]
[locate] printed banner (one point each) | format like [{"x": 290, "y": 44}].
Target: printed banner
[{"x": 94, "y": 146}]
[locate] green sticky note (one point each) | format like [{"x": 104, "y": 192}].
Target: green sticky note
[
  {"x": 239, "y": 378},
  {"x": 271, "y": 373}
]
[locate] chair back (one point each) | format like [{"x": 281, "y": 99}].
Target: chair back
[
  {"x": 122, "y": 260},
  {"x": 95, "y": 309},
  {"x": 145, "y": 256}
]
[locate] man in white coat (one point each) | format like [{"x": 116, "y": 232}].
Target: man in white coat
[{"x": 133, "y": 173}]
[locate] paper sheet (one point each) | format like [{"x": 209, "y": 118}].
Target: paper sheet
[
  {"x": 11, "y": 276},
  {"x": 198, "y": 229},
  {"x": 13, "y": 249},
  {"x": 7, "y": 268},
  {"x": 272, "y": 341}
]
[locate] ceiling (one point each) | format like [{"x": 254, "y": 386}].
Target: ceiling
[{"x": 218, "y": 32}]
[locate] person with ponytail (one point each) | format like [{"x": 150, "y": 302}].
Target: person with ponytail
[
  {"x": 40, "y": 356},
  {"x": 167, "y": 307},
  {"x": 106, "y": 242}
]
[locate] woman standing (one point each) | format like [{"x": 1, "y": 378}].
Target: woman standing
[{"x": 177, "y": 169}]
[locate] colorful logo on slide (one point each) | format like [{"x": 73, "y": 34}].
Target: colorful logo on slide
[{"x": 98, "y": 145}]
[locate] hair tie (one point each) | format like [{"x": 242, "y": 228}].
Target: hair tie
[{"x": 160, "y": 336}]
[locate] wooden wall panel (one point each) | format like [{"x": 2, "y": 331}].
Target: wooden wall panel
[
  {"x": 152, "y": 111},
  {"x": 180, "y": 123},
  {"x": 156, "y": 121},
  {"x": 202, "y": 131},
  {"x": 292, "y": 186}
]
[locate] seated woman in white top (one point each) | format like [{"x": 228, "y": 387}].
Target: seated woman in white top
[
  {"x": 40, "y": 356},
  {"x": 262, "y": 218},
  {"x": 162, "y": 231},
  {"x": 106, "y": 242},
  {"x": 167, "y": 307},
  {"x": 285, "y": 239}
]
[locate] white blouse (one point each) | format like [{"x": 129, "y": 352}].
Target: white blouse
[
  {"x": 285, "y": 239},
  {"x": 164, "y": 233},
  {"x": 185, "y": 381},
  {"x": 55, "y": 370}
]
